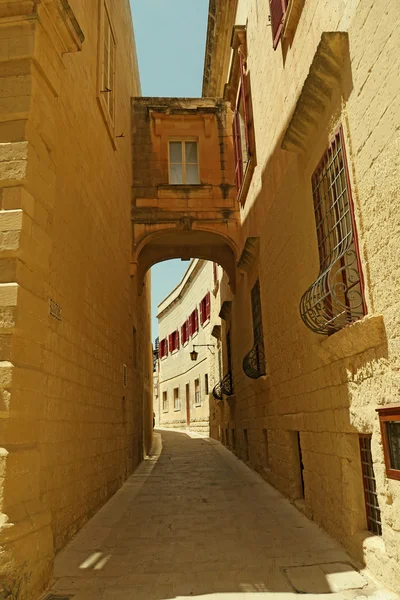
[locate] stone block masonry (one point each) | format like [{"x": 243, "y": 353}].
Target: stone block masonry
[{"x": 73, "y": 424}]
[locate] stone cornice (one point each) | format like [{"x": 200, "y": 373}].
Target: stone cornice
[
  {"x": 10, "y": 9},
  {"x": 56, "y": 13},
  {"x": 324, "y": 77},
  {"x": 65, "y": 24},
  {"x": 221, "y": 18}
]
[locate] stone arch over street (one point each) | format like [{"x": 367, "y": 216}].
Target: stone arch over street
[{"x": 185, "y": 244}]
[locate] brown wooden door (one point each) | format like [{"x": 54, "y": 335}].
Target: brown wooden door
[{"x": 187, "y": 405}]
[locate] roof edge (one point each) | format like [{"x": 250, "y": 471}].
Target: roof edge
[{"x": 221, "y": 18}]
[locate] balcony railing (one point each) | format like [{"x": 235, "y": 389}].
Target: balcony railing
[
  {"x": 223, "y": 387},
  {"x": 254, "y": 362}
]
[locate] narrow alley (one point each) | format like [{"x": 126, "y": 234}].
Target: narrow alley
[{"x": 193, "y": 521}]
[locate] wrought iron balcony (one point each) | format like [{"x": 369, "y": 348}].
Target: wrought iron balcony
[
  {"x": 254, "y": 362},
  {"x": 223, "y": 387},
  {"x": 335, "y": 299}
]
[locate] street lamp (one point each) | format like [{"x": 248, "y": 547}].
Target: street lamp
[{"x": 194, "y": 354}]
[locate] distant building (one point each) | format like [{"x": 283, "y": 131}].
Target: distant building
[{"x": 187, "y": 319}]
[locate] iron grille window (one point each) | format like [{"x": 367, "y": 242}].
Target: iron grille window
[
  {"x": 228, "y": 350},
  {"x": 254, "y": 361},
  {"x": 371, "y": 497},
  {"x": 336, "y": 298},
  {"x": 256, "y": 312}
]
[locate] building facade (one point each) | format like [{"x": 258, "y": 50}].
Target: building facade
[
  {"x": 188, "y": 321},
  {"x": 75, "y": 404},
  {"x": 311, "y": 336}
]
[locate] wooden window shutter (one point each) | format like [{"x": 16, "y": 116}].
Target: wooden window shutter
[
  {"x": 196, "y": 320},
  {"x": 177, "y": 339},
  {"x": 183, "y": 334},
  {"x": 245, "y": 100},
  {"x": 208, "y": 306},
  {"x": 277, "y": 9},
  {"x": 190, "y": 326},
  {"x": 237, "y": 150}
]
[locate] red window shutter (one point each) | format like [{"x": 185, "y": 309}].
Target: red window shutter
[
  {"x": 208, "y": 306},
  {"x": 190, "y": 332},
  {"x": 245, "y": 100},
  {"x": 237, "y": 150},
  {"x": 183, "y": 334},
  {"x": 196, "y": 320},
  {"x": 215, "y": 272},
  {"x": 277, "y": 9},
  {"x": 202, "y": 316},
  {"x": 171, "y": 342},
  {"x": 177, "y": 339}
]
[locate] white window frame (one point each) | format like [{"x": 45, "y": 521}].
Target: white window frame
[
  {"x": 177, "y": 400},
  {"x": 183, "y": 142},
  {"x": 197, "y": 403},
  {"x": 165, "y": 410}
]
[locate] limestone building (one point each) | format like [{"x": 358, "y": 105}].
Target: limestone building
[
  {"x": 75, "y": 403},
  {"x": 311, "y": 333},
  {"x": 188, "y": 322}
]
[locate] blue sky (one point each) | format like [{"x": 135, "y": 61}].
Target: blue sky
[{"x": 170, "y": 41}]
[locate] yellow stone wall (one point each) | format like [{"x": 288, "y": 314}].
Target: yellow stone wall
[
  {"x": 70, "y": 431},
  {"x": 177, "y": 370},
  {"x": 325, "y": 388}
]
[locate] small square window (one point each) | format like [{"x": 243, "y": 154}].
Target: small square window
[
  {"x": 183, "y": 162},
  {"x": 389, "y": 417}
]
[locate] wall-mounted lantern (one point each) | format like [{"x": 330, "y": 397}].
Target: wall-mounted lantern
[{"x": 194, "y": 355}]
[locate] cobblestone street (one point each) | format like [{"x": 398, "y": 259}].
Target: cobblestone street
[{"x": 194, "y": 521}]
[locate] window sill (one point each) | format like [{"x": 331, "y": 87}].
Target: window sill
[
  {"x": 242, "y": 195},
  {"x": 207, "y": 322},
  {"x": 194, "y": 335},
  {"x": 357, "y": 338},
  {"x": 198, "y": 405},
  {"x": 177, "y": 410},
  {"x": 175, "y": 351}
]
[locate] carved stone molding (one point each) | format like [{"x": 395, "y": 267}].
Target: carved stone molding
[
  {"x": 249, "y": 253},
  {"x": 65, "y": 25},
  {"x": 324, "y": 76},
  {"x": 226, "y": 309},
  {"x": 18, "y": 8}
]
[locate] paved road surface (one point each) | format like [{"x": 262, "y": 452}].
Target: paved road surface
[{"x": 193, "y": 521}]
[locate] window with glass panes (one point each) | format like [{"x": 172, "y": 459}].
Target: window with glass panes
[
  {"x": 197, "y": 399},
  {"x": 165, "y": 401},
  {"x": 183, "y": 162}
]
